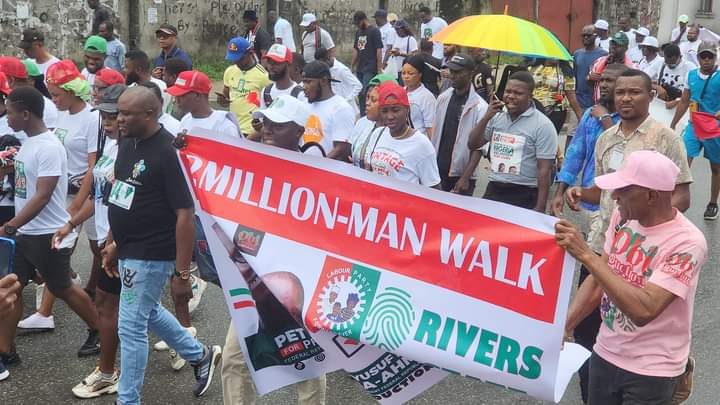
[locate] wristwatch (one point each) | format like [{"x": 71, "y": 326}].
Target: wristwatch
[
  {"x": 10, "y": 230},
  {"x": 183, "y": 275}
]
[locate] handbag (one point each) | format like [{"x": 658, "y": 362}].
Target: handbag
[{"x": 705, "y": 125}]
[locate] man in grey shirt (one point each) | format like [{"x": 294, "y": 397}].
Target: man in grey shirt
[{"x": 523, "y": 146}]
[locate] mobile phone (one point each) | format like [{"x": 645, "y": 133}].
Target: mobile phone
[{"x": 7, "y": 252}]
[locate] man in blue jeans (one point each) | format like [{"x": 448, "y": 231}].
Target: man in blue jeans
[{"x": 152, "y": 228}]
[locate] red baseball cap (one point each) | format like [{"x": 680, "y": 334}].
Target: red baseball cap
[
  {"x": 13, "y": 67},
  {"x": 279, "y": 53},
  {"x": 391, "y": 93},
  {"x": 4, "y": 87},
  {"x": 62, "y": 72},
  {"x": 109, "y": 76},
  {"x": 190, "y": 81}
]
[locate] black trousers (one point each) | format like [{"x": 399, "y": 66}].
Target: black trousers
[
  {"x": 447, "y": 183},
  {"x": 513, "y": 194}
]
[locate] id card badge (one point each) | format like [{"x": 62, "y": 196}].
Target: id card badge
[
  {"x": 616, "y": 159},
  {"x": 122, "y": 194}
]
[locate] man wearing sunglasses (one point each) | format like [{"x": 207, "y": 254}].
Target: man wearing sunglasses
[{"x": 583, "y": 59}]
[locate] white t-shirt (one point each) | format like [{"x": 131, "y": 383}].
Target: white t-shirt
[
  {"x": 405, "y": 45},
  {"x": 43, "y": 67},
  {"x": 275, "y": 93},
  {"x": 283, "y": 32},
  {"x": 635, "y": 55},
  {"x": 631, "y": 38},
  {"x": 410, "y": 159},
  {"x": 652, "y": 68},
  {"x": 308, "y": 43},
  {"x": 222, "y": 122},
  {"x": 90, "y": 77},
  {"x": 422, "y": 108},
  {"x": 50, "y": 115},
  {"x": 676, "y": 32},
  {"x": 676, "y": 77},
  {"x": 42, "y": 156},
  {"x": 603, "y": 43},
  {"x": 79, "y": 134},
  {"x": 331, "y": 120},
  {"x": 170, "y": 123},
  {"x": 103, "y": 173},
  {"x": 689, "y": 51},
  {"x": 427, "y": 30},
  {"x": 360, "y": 141},
  {"x": 387, "y": 34}
]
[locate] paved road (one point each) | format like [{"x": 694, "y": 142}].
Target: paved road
[{"x": 51, "y": 368}]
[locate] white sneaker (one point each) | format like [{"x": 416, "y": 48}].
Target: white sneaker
[
  {"x": 198, "y": 288},
  {"x": 177, "y": 362},
  {"x": 161, "y": 346},
  {"x": 95, "y": 385},
  {"x": 37, "y": 322}
]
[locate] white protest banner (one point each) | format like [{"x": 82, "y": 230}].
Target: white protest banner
[
  {"x": 471, "y": 286},
  {"x": 664, "y": 115}
]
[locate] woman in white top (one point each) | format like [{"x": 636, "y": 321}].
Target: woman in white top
[
  {"x": 360, "y": 136},
  {"x": 397, "y": 150},
  {"x": 405, "y": 44},
  {"x": 77, "y": 128},
  {"x": 422, "y": 101}
]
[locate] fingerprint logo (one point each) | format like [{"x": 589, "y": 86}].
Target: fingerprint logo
[{"x": 389, "y": 320}]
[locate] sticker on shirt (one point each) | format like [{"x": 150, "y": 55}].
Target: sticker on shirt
[
  {"x": 61, "y": 133},
  {"x": 506, "y": 152},
  {"x": 122, "y": 194},
  {"x": 138, "y": 168},
  {"x": 427, "y": 33},
  {"x": 617, "y": 156},
  {"x": 313, "y": 130},
  {"x": 361, "y": 42},
  {"x": 386, "y": 162},
  {"x": 20, "y": 180}
]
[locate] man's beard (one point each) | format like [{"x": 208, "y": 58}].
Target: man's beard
[{"x": 279, "y": 75}]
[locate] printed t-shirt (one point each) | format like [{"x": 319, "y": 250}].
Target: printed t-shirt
[
  {"x": 331, "y": 120},
  {"x": 42, "y": 156},
  {"x": 669, "y": 255},
  {"x": 79, "y": 134},
  {"x": 411, "y": 159},
  {"x": 550, "y": 87},
  {"x": 245, "y": 92},
  {"x": 103, "y": 175},
  {"x": 653, "y": 67},
  {"x": 677, "y": 76},
  {"x": 149, "y": 186},
  {"x": 367, "y": 42},
  {"x": 427, "y": 30},
  {"x": 516, "y": 146}
]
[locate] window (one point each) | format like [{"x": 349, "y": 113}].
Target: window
[{"x": 706, "y": 6}]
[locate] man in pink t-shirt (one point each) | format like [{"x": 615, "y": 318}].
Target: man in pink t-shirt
[{"x": 644, "y": 283}]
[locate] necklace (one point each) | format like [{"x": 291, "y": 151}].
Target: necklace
[{"x": 405, "y": 134}]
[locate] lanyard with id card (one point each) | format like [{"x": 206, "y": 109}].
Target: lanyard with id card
[
  {"x": 122, "y": 194},
  {"x": 617, "y": 156}
]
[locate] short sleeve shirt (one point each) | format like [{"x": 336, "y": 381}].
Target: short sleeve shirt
[
  {"x": 330, "y": 121},
  {"x": 611, "y": 149},
  {"x": 670, "y": 256},
  {"x": 551, "y": 85},
  {"x": 311, "y": 41},
  {"x": 515, "y": 146},
  {"x": 79, "y": 134},
  {"x": 367, "y": 42},
  {"x": 245, "y": 92},
  {"x": 411, "y": 159}
]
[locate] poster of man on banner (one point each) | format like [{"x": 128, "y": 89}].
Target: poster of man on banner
[{"x": 375, "y": 274}]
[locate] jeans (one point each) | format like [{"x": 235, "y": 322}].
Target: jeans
[
  {"x": 203, "y": 258},
  {"x": 140, "y": 309},
  {"x": 364, "y": 78}
]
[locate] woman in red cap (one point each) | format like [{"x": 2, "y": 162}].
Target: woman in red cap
[
  {"x": 77, "y": 128},
  {"x": 398, "y": 150}
]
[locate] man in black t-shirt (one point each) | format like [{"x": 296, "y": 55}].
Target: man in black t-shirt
[
  {"x": 483, "y": 80},
  {"x": 431, "y": 75},
  {"x": 367, "y": 53},
  {"x": 255, "y": 34},
  {"x": 101, "y": 14},
  {"x": 152, "y": 232}
]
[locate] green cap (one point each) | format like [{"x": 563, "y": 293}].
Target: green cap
[
  {"x": 31, "y": 67},
  {"x": 620, "y": 38},
  {"x": 379, "y": 78},
  {"x": 96, "y": 44}
]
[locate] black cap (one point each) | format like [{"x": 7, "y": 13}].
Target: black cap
[
  {"x": 401, "y": 24},
  {"x": 250, "y": 15},
  {"x": 317, "y": 69},
  {"x": 380, "y": 13},
  {"x": 167, "y": 29},
  {"x": 29, "y": 36},
  {"x": 461, "y": 61},
  {"x": 109, "y": 101}
]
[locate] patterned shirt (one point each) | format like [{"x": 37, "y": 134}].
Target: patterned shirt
[
  {"x": 613, "y": 146},
  {"x": 551, "y": 85}
]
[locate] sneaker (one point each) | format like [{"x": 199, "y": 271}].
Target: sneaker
[
  {"x": 91, "y": 345},
  {"x": 161, "y": 346},
  {"x": 38, "y": 323},
  {"x": 198, "y": 288},
  {"x": 4, "y": 373},
  {"x": 177, "y": 362},
  {"x": 711, "y": 212},
  {"x": 95, "y": 385},
  {"x": 205, "y": 368},
  {"x": 10, "y": 358}
]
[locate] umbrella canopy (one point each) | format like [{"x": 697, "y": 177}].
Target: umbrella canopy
[{"x": 505, "y": 33}]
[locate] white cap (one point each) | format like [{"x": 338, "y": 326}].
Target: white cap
[
  {"x": 602, "y": 25},
  {"x": 285, "y": 108},
  {"x": 308, "y": 18},
  {"x": 642, "y": 31},
  {"x": 650, "y": 41},
  {"x": 683, "y": 18}
]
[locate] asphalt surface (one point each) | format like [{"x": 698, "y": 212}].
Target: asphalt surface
[{"x": 50, "y": 366}]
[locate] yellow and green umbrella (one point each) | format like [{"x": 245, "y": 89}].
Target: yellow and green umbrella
[{"x": 504, "y": 33}]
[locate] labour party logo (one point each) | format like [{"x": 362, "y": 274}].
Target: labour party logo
[{"x": 346, "y": 302}]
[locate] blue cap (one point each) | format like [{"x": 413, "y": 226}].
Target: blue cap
[{"x": 236, "y": 49}]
